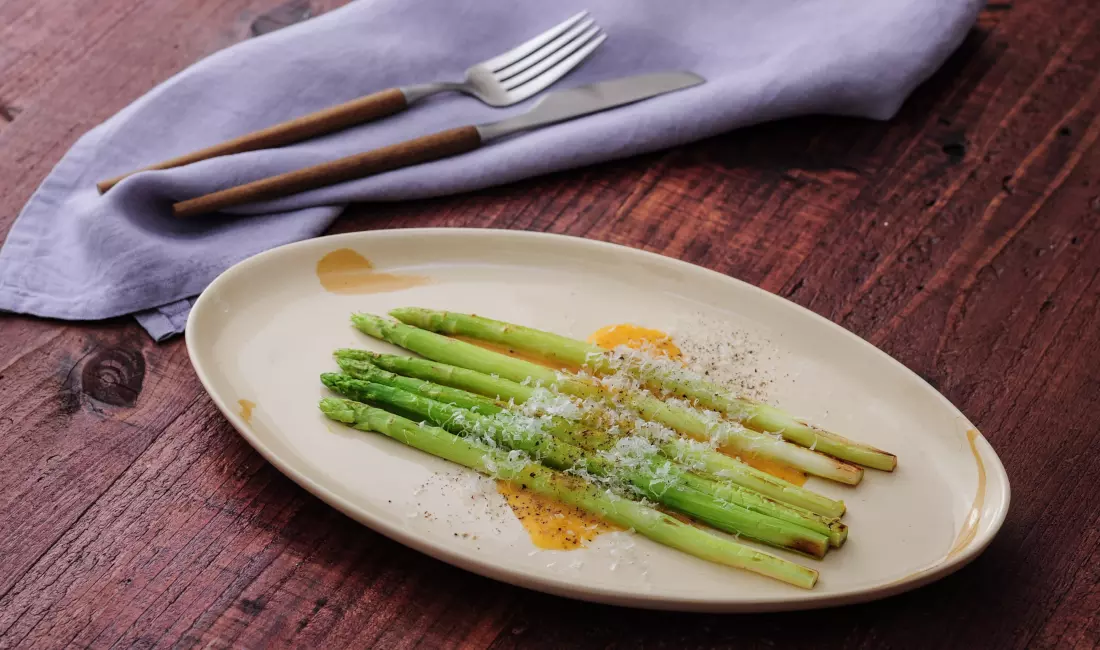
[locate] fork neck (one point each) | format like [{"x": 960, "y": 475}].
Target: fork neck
[{"x": 420, "y": 91}]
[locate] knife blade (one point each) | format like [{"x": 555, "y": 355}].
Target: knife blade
[{"x": 563, "y": 105}]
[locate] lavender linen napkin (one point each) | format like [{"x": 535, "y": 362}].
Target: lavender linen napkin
[{"x": 73, "y": 254}]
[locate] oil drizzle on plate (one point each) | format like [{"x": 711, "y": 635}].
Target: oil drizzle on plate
[
  {"x": 344, "y": 271},
  {"x": 246, "y": 410},
  {"x": 970, "y": 526},
  {"x": 551, "y": 524}
]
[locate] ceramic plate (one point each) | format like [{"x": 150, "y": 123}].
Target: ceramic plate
[{"x": 263, "y": 331}]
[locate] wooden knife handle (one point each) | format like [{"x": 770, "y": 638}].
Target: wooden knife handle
[
  {"x": 403, "y": 154},
  {"x": 329, "y": 120}
]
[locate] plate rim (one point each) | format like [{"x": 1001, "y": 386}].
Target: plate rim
[{"x": 798, "y": 600}]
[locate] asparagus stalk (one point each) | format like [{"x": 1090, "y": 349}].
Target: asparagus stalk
[
  {"x": 698, "y": 457},
  {"x": 696, "y": 425},
  {"x": 655, "y": 480},
  {"x": 681, "y": 418},
  {"x": 441, "y": 373},
  {"x": 571, "y": 490},
  {"x": 360, "y": 372},
  {"x": 713, "y": 464},
  {"x": 366, "y": 371},
  {"x": 667, "y": 380}
]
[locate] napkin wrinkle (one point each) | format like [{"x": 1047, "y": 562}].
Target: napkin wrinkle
[{"x": 74, "y": 254}]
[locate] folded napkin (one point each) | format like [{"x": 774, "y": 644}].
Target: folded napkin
[{"x": 73, "y": 254}]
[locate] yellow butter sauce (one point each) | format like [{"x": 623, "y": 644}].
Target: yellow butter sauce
[
  {"x": 246, "y": 408},
  {"x": 635, "y": 337},
  {"x": 344, "y": 271},
  {"x": 970, "y": 526},
  {"x": 551, "y": 524}
]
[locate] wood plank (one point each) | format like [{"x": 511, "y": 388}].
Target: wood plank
[
  {"x": 963, "y": 238},
  {"x": 78, "y": 410}
]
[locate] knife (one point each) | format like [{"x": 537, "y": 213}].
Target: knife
[{"x": 555, "y": 107}]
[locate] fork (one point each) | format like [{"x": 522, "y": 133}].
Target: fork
[{"x": 500, "y": 81}]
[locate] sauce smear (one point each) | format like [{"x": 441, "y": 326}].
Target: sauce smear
[
  {"x": 974, "y": 517},
  {"x": 636, "y": 337},
  {"x": 344, "y": 271},
  {"x": 246, "y": 409},
  {"x": 552, "y": 524}
]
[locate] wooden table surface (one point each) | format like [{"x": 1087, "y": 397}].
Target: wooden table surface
[{"x": 962, "y": 237}]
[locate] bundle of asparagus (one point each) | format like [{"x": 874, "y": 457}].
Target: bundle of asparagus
[
  {"x": 664, "y": 379},
  {"x": 569, "y": 489},
  {"x": 613, "y": 448}
]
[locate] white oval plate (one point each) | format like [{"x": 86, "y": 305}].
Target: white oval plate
[{"x": 265, "y": 329}]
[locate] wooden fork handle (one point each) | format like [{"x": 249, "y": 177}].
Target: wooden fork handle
[
  {"x": 403, "y": 154},
  {"x": 329, "y": 120}
]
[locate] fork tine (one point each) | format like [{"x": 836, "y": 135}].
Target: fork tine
[
  {"x": 504, "y": 74},
  {"x": 517, "y": 53},
  {"x": 555, "y": 66},
  {"x": 540, "y": 83}
]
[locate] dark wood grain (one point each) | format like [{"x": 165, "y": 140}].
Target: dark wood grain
[{"x": 962, "y": 237}]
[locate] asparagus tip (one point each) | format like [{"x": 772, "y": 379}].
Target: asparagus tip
[
  {"x": 337, "y": 409},
  {"x": 368, "y": 324},
  {"x": 404, "y": 311}
]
